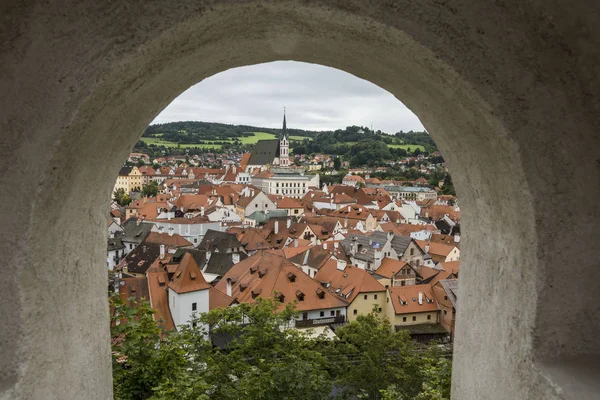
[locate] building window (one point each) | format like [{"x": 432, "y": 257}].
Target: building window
[
  {"x": 194, "y": 306},
  {"x": 403, "y": 319},
  {"x": 412, "y": 252},
  {"x": 379, "y": 309},
  {"x": 332, "y": 313},
  {"x": 130, "y": 246},
  {"x": 428, "y": 316},
  {"x": 366, "y": 296},
  {"x": 445, "y": 312},
  {"x": 256, "y": 205},
  {"x": 355, "y": 312},
  {"x": 375, "y": 296},
  {"x": 194, "y": 324},
  {"x": 322, "y": 313},
  {"x": 414, "y": 318},
  {"x": 445, "y": 297}
]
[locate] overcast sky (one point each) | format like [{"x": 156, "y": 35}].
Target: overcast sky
[{"x": 315, "y": 98}]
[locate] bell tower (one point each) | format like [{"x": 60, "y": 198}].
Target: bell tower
[{"x": 284, "y": 145}]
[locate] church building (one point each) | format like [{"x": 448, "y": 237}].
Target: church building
[{"x": 273, "y": 152}]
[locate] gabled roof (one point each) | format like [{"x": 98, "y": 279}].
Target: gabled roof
[
  {"x": 141, "y": 258},
  {"x": 451, "y": 288},
  {"x": 221, "y": 263},
  {"x": 188, "y": 278},
  {"x": 405, "y": 299},
  {"x": 264, "y": 152},
  {"x": 218, "y": 299},
  {"x": 438, "y": 249},
  {"x": 288, "y": 202},
  {"x": 390, "y": 267},
  {"x": 268, "y": 273},
  {"x": 134, "y": 232},
  {"x": 221, "y": 241},
  {"x": 157, "y": 279},
  {"x": 174, "y": 240},
  {"x": 314, "y": 257},
  {"x": 347, "y": 283}
]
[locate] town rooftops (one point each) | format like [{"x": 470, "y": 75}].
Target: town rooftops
[
  {"x": 412, "y": 299},
  {"x": 188, "y": 278},
  {"x": 267, "y": 274},
  {"x": 347, "y": 282}
]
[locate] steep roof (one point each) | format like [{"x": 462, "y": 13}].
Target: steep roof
[
  {"x": 141, "y": 258},
  {"x": 405, "y": 299},
  {"x": 174, "y": 240},
  {"x": 268, "y": 273},
  {"x": 218, "y": 299},
  {"x": 157, "y": 279},
  {"x": 264, "y": 152},
  {"x": 349, "y": 282},
  {"x": 390, "y": 267},
  {"x": 314, "y": 257},
  {"x": 188, "y": 278},
  {"x": 221, "y": 241},
  {"x": 135, "y": 232},
  {"x": 451, "y": 288},
  {"x": 439, "y": 249},
  {"x": 221, "y": 263}
]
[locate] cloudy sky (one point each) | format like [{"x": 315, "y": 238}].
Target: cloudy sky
[{"x": 315, "y": 97}]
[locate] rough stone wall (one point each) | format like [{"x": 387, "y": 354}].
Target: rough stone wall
[{"x": 508, "y": 88}]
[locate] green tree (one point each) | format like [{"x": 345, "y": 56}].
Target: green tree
[
  {"x": 121, "y": 197},
  {"x": 370, "y": 357},
  {"x": 264, "y": 361},
  {"x": 150, "y": 190},
  {"x": 146, "y": 365},
  {"x": 337, "y": 163}
]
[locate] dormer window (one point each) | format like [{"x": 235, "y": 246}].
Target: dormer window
[
  {"x": 291, "y": 277},
  {"x": 263, "y": 272},
  {"x": 253, "y": 270},
  {"x": 299, "y": 295},
  {"x": 255, "y": 293},
  {"x": 281, "y": 297},
  {"x": 320, "y": 293},
  {"x": 243, "y": 286}
]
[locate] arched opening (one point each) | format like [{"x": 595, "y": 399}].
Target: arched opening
[{"x": 513, "y": 112}]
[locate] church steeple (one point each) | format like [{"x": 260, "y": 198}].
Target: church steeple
[{"x": 284, "y": 124}]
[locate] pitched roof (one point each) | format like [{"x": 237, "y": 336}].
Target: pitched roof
[
  {"x": 390, "y": 267},
  {"x": 268, "y": 273},
  {"x": 218, "y": 299},
  {"x": 135, "y": 232},
  {"x": 451, "y": 288},
  {"x": 264, "y": 152},
  {"x": 174, "y": 240},
  {"x": 157, "y": 279},
  {"x": 314, "y": 257},
  {"x": 405, "y": 299},
  {"x": 439, "y": 249},
  {"x": 141, "y": 258},
  {"x": 188, "y": 278},
  {"x": 288, "y": 202},
  {"x": 221, "y": 241},
  {"x": 349, "y": 282},
  {"x": 220, "y": 263}
]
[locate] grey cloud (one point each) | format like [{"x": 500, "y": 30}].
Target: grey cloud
[{"x": 316, "y": 97}]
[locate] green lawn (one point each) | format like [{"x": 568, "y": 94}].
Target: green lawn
[
  {"x": 300, "y": 138},
  {"x": 412, "y": 147},
  {"x": 257, "y": 136}
]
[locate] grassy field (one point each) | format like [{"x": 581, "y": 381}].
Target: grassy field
[
  {"x": 300, "y": 138},
  {"x": 257, "y": 136},
  {"x": 166, "y": 143},
  {"x": 412, "y": 147}
]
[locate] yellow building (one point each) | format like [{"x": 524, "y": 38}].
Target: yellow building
[
  {"x": 129, "y": 178},
  {"x": 411, "y": 305},
  {"x": 355, "y": 285}
]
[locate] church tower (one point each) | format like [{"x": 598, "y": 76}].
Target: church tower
[{"x": 284, "y": 146}]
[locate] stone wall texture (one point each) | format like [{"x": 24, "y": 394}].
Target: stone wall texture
[{"x": 508, "y": 89}]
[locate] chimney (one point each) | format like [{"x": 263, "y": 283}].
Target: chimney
[
  {"x": 390, "y": 236},
  {"x": 162, "y": 251},
  {"x": 296, "y": 242},
  {"x": 349, "y": 208},
  {"x": 276, "y": 227},
  {"x": 427, "y": 248},
  {"x": 289, "y": 223},
  {"x": 168, "y": 216},
  {"x": 137, "y": 222},
  {"x": 341, "y": 265},
  {"x": 420, "y": 298},
  {"x": 345, "y": 222},
  {"x": 229, "y": 291},
  {"x": 324, "y": 246},
  {"x": 235, "y": 258},
  {"x": 171, "y": 232},
  {"x": 202, "y": 211},
  {"x": 160, "y": 230}
]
